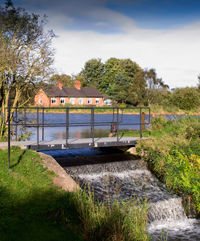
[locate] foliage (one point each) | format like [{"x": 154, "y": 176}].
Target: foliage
[
  {"x": 25, "y": 57},
  {"x": 93, "y": 72},
  {"x": 185, "y": 98},
  {"x": 120, "y": 92},
  {"x": 154, "y": 86},
  {"x": 174, "y": 155},
  {"x": 111, "y": 220},
  {"x": 66, "y": 80}
]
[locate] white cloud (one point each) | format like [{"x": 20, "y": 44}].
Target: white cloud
[{"x": 174, "y": 54}]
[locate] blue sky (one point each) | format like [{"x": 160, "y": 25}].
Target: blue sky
[{"x": 160, "y": 34}]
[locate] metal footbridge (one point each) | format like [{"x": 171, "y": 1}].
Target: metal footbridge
[{"x": 21, "y": 120}]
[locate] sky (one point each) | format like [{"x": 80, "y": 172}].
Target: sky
[{"x": 159, "y": 34}]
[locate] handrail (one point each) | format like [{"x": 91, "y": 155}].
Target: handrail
[{"x": 117, "y": 119}]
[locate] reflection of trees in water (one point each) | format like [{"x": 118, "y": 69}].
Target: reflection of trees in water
[{"x": 77, "y": 133}]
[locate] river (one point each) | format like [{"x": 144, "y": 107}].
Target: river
[{"x": 112, "y": 173}]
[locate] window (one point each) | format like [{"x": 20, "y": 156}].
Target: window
[
  {"x": 40, "y": 101},
  {"x": 62, "y": 100},
  {"x": 53, "y": 100},
  {"x": 97, "y": 101},
  {"x": 80, "y": 101},
  {"x": 89, "y": 101},
  {"x": 72, "y": 101}
]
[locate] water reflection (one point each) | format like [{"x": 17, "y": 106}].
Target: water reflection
[{"x": 129, "y": 122}]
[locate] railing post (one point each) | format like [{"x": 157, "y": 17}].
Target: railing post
[
  {"x": 143, "y": 121},
  {"x": 43, "y": 124},
  {"x": 9, "y": 132},
  {"x": 16, "y": 123},
  {"x": 140, "y": 124},
  {"x": 117, "y": 125},
  {"x": 92, "y": 125},
  {"x": 37, "y": 127},
  {"x": 67, "y": 126}
]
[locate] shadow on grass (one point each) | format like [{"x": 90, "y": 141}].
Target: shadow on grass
[
  {"x": 40, "y": 216},
  {"x": 19, "y": 159}
]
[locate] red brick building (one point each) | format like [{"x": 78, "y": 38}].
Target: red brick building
[{"x": 76, "y": 95}]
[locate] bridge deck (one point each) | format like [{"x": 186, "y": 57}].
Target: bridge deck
[{"x": 74, "y": 143}]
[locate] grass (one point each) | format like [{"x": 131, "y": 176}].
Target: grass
[{"x": 32, "y": 208}]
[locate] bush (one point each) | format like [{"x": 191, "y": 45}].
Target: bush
[{"x": 185, "y": 98}]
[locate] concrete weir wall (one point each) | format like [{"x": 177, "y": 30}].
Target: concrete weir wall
[{"x": 63, "y": 180}]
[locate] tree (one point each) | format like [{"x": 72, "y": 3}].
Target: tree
[
  {"x": 153, "y": 85},
  {"x": 138, "y": 89},
  {"x": 26, "y": 55},
  {"x": 185, "y": 98},
  {"x": 112, "y": 68},
  {"x": 66, "y": 80},
  {"x": 93, "y": 72},
  {"x": 120, "y": 91}
]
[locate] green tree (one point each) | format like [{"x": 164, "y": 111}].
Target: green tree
[
  {"x": 120, "y": 91},
  {"x": 26, "y": 55},
  {"x": 93, "y": 73},
  {"x": 66, "y": 80},
  {"x": 112, "y": 68},
  {"x": 138, "y": 89},
  {"x": 185, "y": 98},
  {"x": 154, "y": 85}
]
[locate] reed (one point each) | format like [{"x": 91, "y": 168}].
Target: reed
[{"x": 111, "y": 220}]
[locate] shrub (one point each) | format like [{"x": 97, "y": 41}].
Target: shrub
[{"x": 185, "y": 98}]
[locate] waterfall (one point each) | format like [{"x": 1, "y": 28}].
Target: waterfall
[{"x": 120, "y": 176}]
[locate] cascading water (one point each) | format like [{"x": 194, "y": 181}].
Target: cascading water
[{"x": 120, "y": 176}]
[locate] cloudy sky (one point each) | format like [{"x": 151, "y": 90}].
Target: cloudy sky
[{"x": 160, "y": 34}]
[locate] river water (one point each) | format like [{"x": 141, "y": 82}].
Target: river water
[
  {"x": 117, "y": 175},
  {"x": 112, "y": 173}
]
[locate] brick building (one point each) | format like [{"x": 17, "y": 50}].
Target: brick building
[{"x": 76, "y": 95}]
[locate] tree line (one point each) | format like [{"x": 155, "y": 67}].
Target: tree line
[{"x": 123, "y": 80}]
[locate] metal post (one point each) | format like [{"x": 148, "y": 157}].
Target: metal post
[
  {"x": 9, "y": 132},
  {"x": 43, "y": 124},
  {"x": 37, "y": 128},
  {"x": 143, "y": 121},
  {"x": 117, "y": 125},
  {"x": 67, "y": 126},
  {"x": 92, "y": 125},
  {"x": 113, "y": 122},
  {"x": 16, "y": 123},
  {"x": 140, "y": 124}
]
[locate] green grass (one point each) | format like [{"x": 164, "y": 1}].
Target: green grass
[{"x": 31, "y": 207}]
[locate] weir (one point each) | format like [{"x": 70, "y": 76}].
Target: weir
[{"x": 126, "y": 177}]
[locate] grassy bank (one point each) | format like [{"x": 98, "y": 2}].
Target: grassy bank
[
  {"x": 173, "y": 154},
  {"x": 32, "y": 208}
]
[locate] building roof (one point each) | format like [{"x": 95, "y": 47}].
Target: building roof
[{"x": 72, "y": 92}]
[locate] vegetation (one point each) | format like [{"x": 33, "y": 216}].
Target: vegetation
[
  {"x": 173, "y": 154},
  {"x": 25, "y": 54},
  {"x": 35, "y": 209}
]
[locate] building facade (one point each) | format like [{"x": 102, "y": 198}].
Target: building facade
[{"x": 77, "y": 95}]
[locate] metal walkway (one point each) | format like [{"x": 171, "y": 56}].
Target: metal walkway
[{"x": 74, "y": 143}]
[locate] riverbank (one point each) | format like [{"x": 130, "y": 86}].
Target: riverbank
[
  {"x": 172, "y": 153},
  {"x": 155, "y": 110}
]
